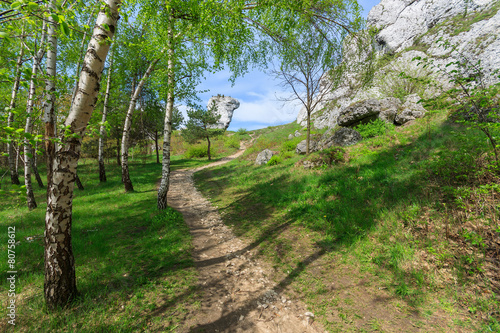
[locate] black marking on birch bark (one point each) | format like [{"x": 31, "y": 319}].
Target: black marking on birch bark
[
  {"x": 94, "y": 54},
  {"x": 90, "y": 72}
]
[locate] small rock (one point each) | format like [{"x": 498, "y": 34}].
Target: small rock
[
  {"x": 309, "y": 314},
  {"x": 242, "y": 317}
]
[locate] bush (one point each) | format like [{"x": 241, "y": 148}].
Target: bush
[
  {"x": 275, "y": 160},
  {"x": 374, "y": 128},
  {"x": 242, "y": 131},
  {"x": 231, "y": 142},
  {"x": 198, "y": 151}
]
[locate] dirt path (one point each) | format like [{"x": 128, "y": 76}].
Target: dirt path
[{"x": 236, "y": 294}]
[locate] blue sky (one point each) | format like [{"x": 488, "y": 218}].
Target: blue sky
[{"x": 258, "y": 95}]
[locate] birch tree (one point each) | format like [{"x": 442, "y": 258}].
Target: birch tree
[{"x": 60, "y": 281}]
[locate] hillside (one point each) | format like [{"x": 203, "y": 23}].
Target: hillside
[{"x": 400, "y": 234}]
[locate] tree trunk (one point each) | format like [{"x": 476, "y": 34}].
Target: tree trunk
[
  {"x": 102, "y": 130},
  {"x": 308, "y": 139},
  {"x": 49, "y": 117},
  {"x": 34, "y": 169},
  {"x": 60, "y": 280},
  {"x": 11, "y": 149},
  {"x": 208, "y": 149},
  {"x": 28, "y": 152},
  {"x": 118, "y": 151},
  {"x": 157, "y": 148},
  {"x": 167, "y": 130},
  {"x": 128, "y": 123},
  {"x": 79, "y": 183}
]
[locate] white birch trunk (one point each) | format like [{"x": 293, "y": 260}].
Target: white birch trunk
[
  {"x": 49, "y": 115},
  {"x": 28, "y": 151},
  {"x": 167, "y": 130},
  {"x": 128, "y": 123},
  {"x": 60, "y": 280},
  {"x": 11, "y": 150},
  {"x": 102, "y": 129}
]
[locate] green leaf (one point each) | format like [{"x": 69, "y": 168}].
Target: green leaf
[
  {"x": 16, "y": 4},
  {"x": 64, "y": 28},
  {"x": 32, "y": 6},
  {"x": 4, "y": 34}
]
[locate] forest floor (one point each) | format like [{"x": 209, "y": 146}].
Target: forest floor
[{"x": 236, "y": 291}]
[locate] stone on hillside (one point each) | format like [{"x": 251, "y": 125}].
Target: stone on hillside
[
  {"x": 389, "y": 109},
  {"x": 264, "y": 157},
  {"x": 225, "y": 106},
  {"x": 302, "y": 148},
  {"x": 297, "y": 134},
  {"x": 359, "y": 112},
  {"x": 291, "y": 136},
  {"x": 346, "y": 137},
  {"x": 411, "y": 110}
]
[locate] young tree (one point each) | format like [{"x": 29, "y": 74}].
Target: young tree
[
  {"x": 102, "y": 128},
  {"x": 307, "y": 60},
  {"x": 201, "y": 125}
]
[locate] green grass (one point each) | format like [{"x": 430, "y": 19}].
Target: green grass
[
  {"x": 133, "y": 265},
  {"x": 379, "y": 213}
]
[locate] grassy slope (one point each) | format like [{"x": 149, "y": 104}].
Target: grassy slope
[
  {"x": 133, "y": 265},
  {"x": 382, "y": 215}
]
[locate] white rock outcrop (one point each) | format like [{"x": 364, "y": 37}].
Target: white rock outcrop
[
  {"x": 224, "y": 106},
  {"x": 407, "y": 29}
]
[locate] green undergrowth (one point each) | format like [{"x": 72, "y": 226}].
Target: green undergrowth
[
  {"x": 414, "y": 209},
  {"x": 133, "y": 265}
]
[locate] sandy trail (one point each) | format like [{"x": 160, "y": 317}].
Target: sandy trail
[{"x": 236, "y": 293}]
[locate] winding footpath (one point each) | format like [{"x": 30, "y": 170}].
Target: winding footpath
[{"x": 236, "y": 294}]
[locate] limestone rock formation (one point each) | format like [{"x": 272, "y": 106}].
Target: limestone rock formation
[
  {"x": 359, "y": 112},
  {"x": 225, "y": 106},
  {"x": 402, "y": 30}
]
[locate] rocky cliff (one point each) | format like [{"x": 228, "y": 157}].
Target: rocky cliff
[{"x": 399, "y": 31}]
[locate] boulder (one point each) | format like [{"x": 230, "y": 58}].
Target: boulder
[
  {"x": 359, "y": 112},
  {"x": 389, "y": 109},
  {"x": 297, "y": 134},
  {"x": 263, "y": 157},
  {"x": 302, "y": 148},
  {"x": 345, "y": 137},
  {"x": 411, "y": 110},
  {"x": 291, "y": 136},
  {"x": 225, "y": 106}
]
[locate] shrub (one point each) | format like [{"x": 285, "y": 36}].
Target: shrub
[
  {"x": 241, "y": 131},
  {"x": 275, "y": 160},
  {"x": 231, "y": 142},
  {"x": 374, "y": 128},
  {"x": 198, "y": 151}
]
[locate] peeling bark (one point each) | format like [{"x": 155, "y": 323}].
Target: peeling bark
[
  {"x": 60, "y": 279},
  {"x": 128, "y": 123}
]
